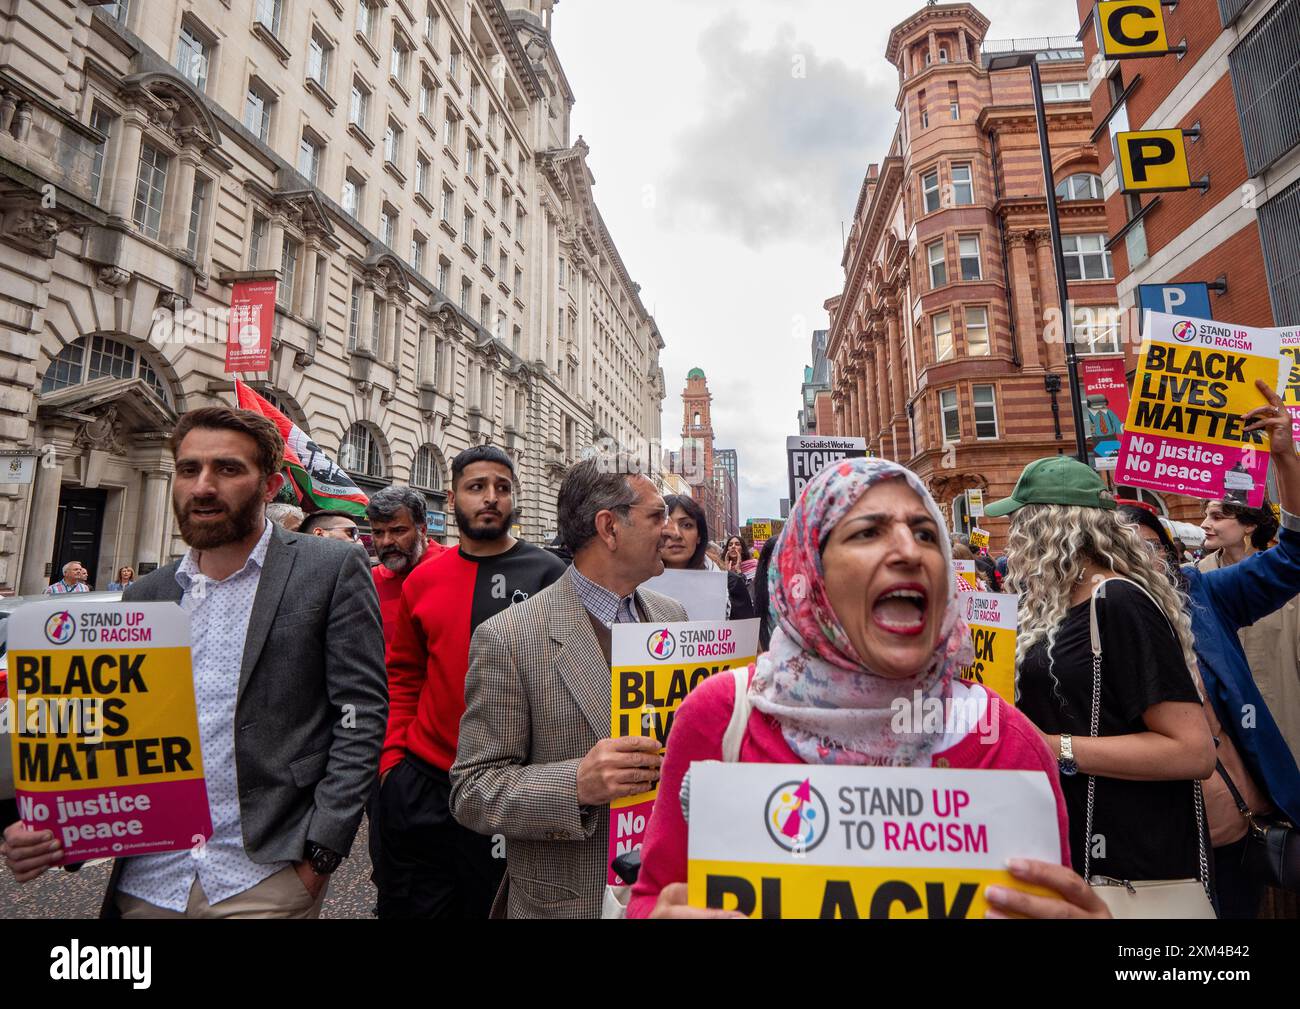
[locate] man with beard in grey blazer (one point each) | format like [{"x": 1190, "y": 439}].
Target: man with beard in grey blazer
[
  {"x": 534, "y": 763},
  {"x": 290, "y": 689}
]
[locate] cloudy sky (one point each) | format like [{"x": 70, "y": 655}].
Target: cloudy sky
[{"x": 729, "y": 141}]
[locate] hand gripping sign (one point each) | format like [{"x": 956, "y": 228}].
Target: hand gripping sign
[
  {"x": 1185, "y": 433},
  {"x": 105, "y": 728},
  {"x": 654, "y": 667},
  {"x": 833, "y": 841}
]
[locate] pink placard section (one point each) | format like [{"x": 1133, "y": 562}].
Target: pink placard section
[
  {"x": 123, "y": 820},
  {"x": 1196, "y": 468},
  {"x": 627, "y": 831}
]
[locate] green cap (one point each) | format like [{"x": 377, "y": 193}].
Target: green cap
[{"x": 1059, "y": 480}]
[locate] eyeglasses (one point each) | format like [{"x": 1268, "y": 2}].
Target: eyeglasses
[{"x": 352, "y": 532}]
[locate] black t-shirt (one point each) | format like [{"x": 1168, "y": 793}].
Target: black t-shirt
[{"x": 1148, "y": 827}]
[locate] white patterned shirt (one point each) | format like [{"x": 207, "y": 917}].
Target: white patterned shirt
[{"x": 219, "y": 613}]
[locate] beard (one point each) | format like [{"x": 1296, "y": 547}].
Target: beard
[
  {"x": 398, "y": 560},
  {"x": 483, "y": 532},
  {"x": 237, "y": 524}
]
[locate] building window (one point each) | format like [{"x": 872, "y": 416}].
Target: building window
[
  {"x": 107, "y": 358},
  {"x": 516, "y": 339},
  {"x": 466, "y": 292},
  {"x": 450, "y": 123},
  {"x": 388, "y": 225},
  {"x": 471, "y": 157},
  {"x": 453, "y": 63},
  {"x": 930, "y": 191},
  {"x": 1096, "y": 329},
  {"x": 393, "y": 144},
  {"x": 285, "y": 291},
  {"x": 268, "y": 13},
  {"x": 359, "y": 106},
  {"x": 426, "y": 472},
  {"x": 399, "y": 59},
  {"x": 102, "y": 121},
  {"x": 938, "y": 267},
  {"x": 1065, "y": 91},
  {"x": 943, "y": 55},
  {"x": 1086, "y": 257},
  {"x": 977, "y": 332},
  {"x": 422, "y": 175},
  {"x": 1083, "y": 186},
  {"x": 448, "y": 199},
  {"x": 354, "y": 316},
  {"x": 503, "y": 264},
  {"x": 353, "y": 190},
  {"x": 256, "y": 238},
  {"x": 193, "y": 52},
  {"x": 431, "y": 20},
  {"x": 419, "y": 245},
  {"x": 941, "y": 325},
  {"x": 984, "y": 399},
  {"x": 444, "y": 274},
  {"x": 359, "y": 452},
  {"x": 377, "y": 309},
  {"x": 1266, "y": 81},
  {"x": 925, "y": 111},
  {"x": 366, "y": 20},
  {"x": 319, "y": 57},
  {"x": 951, "y": 415},
  {"x": 487, "y": 247},
  {"x": 507, "y": 148},
  {"x": 484, "y": 311},
  {"x": 475, "y": 93},
  {"x": 969, "y": 250},
  {"x": 309, "y": 159},
  {"x": 1279, "y": 233},
  {"x": 519, "y": 282},
  {"x": 953, "y": 104},
  {"x": 257, "y": 111},
  {"x": 499, "y": 329},
  {"x": 116, "y": 9},
  {"x": 963, "y": 192},
  {"x": 150, "y": 186},
  {"x": 198, "y": 213},
  {"x": 428, "y": 94},
  {"x": 467, "y": 236}
]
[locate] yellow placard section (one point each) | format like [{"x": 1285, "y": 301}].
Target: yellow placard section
[
  {"x": 1152, "y": 161},
  {"x": 979, "y": 539},
  {"x": 103, "y": 718},
  {"x": 1197, "y": 393},
  {"x": 761, "y": 530},
  {"x": 995, "y": 660},
  {"x": 795, "y": 890},
  {"x": 1129, "y": 28}
]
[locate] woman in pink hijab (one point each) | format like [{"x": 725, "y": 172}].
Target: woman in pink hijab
[{"x": 865, "y": 603}]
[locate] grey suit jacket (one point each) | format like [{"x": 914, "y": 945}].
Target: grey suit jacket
[
  {"x": 537, "y": 698},
  {"x": 312, "y": 699}
]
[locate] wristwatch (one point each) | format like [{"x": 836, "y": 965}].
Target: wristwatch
[
  {"x": 323, "y": 860},
  {"x": 1065, "y": 760}
]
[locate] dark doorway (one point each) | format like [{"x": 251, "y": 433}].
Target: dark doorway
[{"x": 76, "y": 536}]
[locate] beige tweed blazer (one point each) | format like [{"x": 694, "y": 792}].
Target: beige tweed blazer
[{"x": 537, "y": 698}]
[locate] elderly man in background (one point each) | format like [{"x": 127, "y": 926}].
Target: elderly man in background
[
  {"x": 74, "y": 580},
  {"x": 534, "y": 762},
  {"x": 400, "y": 534},
  {"x": 287, "y": 516}
]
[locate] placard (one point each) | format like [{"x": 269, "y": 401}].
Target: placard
[
  {"x": 1185, "y": 433},
  {"x": 835, "y": 841},
  {"x": 965, "y": 571},
  {"x": 702, "y": 593},
  {"x": 105, "y": 729},
  {"x": 1289, "y": 389},
  {"x": 761, "y": 532},
  {"x": 1104, "y": 386},
  {"x": 975, "y": 503},
  {"x": 993, "y": 619},
  {"x": 654, "y": 667},
  {"x": 979, "y": 539},
  {"x": 807, "y": 454}
]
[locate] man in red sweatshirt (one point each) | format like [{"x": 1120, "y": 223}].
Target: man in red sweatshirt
[
  {"x": 399, "y": 531},
  {"x": 426, "y": 865}
]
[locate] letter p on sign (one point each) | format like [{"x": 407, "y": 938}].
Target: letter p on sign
[
  {"x": 1129, "y": 28},
  {"x": 1152, "y": 161}
]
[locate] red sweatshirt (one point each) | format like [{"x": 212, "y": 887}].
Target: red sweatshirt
[
  {"x": 442, "y": 602},
  {"x": 389, "y": 586}
]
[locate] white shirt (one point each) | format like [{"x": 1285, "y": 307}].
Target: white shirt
[{"x": 219, "y": 613}]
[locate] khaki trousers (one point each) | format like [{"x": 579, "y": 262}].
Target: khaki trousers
[{"x": 280, "y": 895}]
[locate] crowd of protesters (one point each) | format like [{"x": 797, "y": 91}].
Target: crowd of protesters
[{"x": 459, "y": 696}]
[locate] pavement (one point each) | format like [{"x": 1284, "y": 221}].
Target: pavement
[{"x": 59, "y": 894}]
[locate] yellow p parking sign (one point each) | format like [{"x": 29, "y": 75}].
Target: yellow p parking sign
[{"x": 1152, "y": 161}]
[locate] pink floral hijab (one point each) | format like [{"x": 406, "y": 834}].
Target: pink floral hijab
[{"x": 831, "y": 707}]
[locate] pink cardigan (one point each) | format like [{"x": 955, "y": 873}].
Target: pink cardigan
[{"x": 697, "y": 735}]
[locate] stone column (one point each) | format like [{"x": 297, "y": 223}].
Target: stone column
[
  {"x": 933, "y": 47},
  {"x": 42, "y": 517},
  {"x": 1022, "y": 295},
  {"x": 854, "y": 410},
  {"x": 275, "y": 243},
  {"x": 367, "y": 338},
  {"x": 309, "y": 266},
  {"x": 153, "y": 518},
  {"x": 898, "y": 392},
  {"x": 126, "y": 164},
  {"x": 873, "y": 390},
  {"x": 864, "y": 399},
  {"x": 396, "y": 329},
  {"x": 1047, "y": 294},
  {"x": 178, "y": 199}
]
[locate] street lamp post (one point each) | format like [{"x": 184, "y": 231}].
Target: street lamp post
[{"x": 1030, "y": 60}]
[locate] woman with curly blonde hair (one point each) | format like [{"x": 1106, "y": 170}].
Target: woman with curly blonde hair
[{"x": 1151, "y": 738}]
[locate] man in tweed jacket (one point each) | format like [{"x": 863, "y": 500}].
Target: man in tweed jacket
[{"x": 534, "y": 763}]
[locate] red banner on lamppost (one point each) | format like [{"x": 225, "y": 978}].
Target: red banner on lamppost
[{"x": 252, "y": 314}]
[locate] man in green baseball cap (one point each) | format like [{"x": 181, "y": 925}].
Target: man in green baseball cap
[{"x": 1059, "y": 480}]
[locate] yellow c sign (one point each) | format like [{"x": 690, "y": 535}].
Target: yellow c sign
[
  {"x": 1128, "y": 28},
  {"x": 1152, "y": 161}
]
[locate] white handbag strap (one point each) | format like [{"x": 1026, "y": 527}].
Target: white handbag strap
[
  {"x": 1095, "y": 721},
  {"x": 740, "y": 709}
]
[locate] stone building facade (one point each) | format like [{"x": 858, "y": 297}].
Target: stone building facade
[
  {"x": 946, "y": 345},
  {"x": 404, "y": 169}
]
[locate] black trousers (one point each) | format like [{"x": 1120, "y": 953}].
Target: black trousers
[
  {"x": 1239, "y": 896},
  {"x": 425, "y": 864}
]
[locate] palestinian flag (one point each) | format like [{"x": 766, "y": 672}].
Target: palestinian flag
[{"x": 319, "y": 483}]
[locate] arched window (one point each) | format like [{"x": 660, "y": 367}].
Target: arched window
[
  {"x": 426, "y": 471},
  {"x": 359, "y": 452},
  {"x": 90, "y": 358},
  {"x": 1082, "y": 186}
]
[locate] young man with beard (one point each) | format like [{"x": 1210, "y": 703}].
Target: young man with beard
[
  {"x": 400, "y": 534},
  {"x": 288, "y": 682},
  {"x": 425, "y": 864}
]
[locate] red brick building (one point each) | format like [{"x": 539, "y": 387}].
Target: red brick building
[
  {"x": 945, "y": 341},
  {"x": 1239, "y": 84}
]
